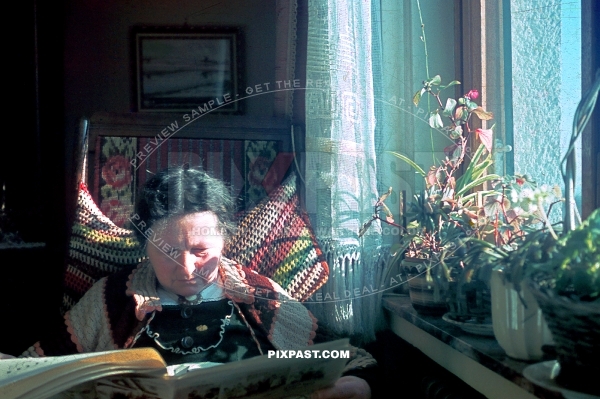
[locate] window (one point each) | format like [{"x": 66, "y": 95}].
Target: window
[{"x": 524, "y": 56}]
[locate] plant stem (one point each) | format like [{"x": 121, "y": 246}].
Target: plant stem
[
  {"x": 427, "y": 73},
  {"x": 546, "y": 221},
  {"x": 439, "y": 100},
  {"x": 424, "y": 39}
]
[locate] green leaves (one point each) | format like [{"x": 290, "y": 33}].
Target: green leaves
[
  {"x": 380, "y": 203},
  {"x": 456, "y": 132},
  {"x": 417, "y": 96},
  {"x": 471, "y": 106},
  {"x": 435, "y": 120},
  {"x": 477, "y": 182},
  {"x": 472, "y": 177},
  {"x": 453, "y": 83},
  {"x": 450, "y": 104},
  {"x": 576, "y": 268},
  {"x": 410, "y": 162},
  {"x": 435, "y": 81},
  {"x": 427, "y": 84},
  {"x": 483, "y": 114}
]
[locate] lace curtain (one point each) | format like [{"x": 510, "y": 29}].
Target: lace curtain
[
  {"x": 340, "y": 181},
  {"x": 365, "y": 60}
]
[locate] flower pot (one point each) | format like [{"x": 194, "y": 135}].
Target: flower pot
[
  {"x": 518, "y": 322},
  {"x": 470, "y": 299},
  {"x": 426, "y": 288},
  {"x": 575, "y": 328}
]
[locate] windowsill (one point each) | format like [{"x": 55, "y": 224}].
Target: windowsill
[{"x": 477, "y": 360}]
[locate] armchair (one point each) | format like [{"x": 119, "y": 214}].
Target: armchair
[{"x": 252, "y": 155}]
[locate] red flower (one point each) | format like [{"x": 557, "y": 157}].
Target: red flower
[
  {"x": 112, "y": 209},
  {"x": 485, "y": 135},
  {"x": 521, "y": 181},
  {"x": 258, "y": 170},
  {"x": 472, "y": 94},
  {"x": 117, "y": 171}
]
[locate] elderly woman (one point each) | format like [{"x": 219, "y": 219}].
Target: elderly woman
[{"x": 187, "y": 300}]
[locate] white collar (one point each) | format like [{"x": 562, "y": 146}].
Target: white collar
[
  {"x": 210, "y": 293},
  {"x": 142, "y": 286}
]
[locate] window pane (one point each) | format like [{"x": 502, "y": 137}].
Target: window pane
[{"x": 403, "y": 127}]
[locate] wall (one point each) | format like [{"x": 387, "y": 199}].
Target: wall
[
  {"x": 97, "y": 47},
  {"x": 546, "y": 81}
]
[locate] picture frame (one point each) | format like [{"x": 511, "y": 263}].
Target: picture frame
[{"x": 187, "y": 68}]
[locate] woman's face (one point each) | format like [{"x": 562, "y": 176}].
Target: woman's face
[{"x": 185, "y": 251}]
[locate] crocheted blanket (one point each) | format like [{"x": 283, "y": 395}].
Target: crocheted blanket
[
  {"x": 97, "y": 248},
  {"x": 274, "y": 239}
]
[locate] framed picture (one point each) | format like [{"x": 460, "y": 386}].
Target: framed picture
[{"x": 187, "y": 68}]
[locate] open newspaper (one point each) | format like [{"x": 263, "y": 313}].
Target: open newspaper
[{"x": 142, "y": 373}]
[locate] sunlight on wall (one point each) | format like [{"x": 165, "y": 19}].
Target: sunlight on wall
[
  {"x": 546, "y": 66},
  {"x": 570, "y": 93}
]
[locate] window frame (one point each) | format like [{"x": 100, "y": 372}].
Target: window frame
[
  {"x": 476, "y": 21},
  {"x": 590, "y": 32}
]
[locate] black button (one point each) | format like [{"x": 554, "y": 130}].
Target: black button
[
  {"x": 187, "y": 342},
  {"x": 186, "y": 312}
]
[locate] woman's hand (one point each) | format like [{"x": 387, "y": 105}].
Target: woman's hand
[
  {"x": 347, "y": 387},
  {"x": 5, "y": 356}
]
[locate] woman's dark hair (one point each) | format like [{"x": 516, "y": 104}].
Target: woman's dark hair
[{"x": 180, "y": 191}]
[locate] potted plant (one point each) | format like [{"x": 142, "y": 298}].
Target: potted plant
[
  {"x": 431, "y": 239},
  {"x": 566, "y": 286},
  {"x": 441, "y": 215},
  {"x": 428, "y": 239},
  {"x": 565, "y": 281},
  {"x": 564, "y": 277},
  {"x": 499, "y": 221},
  {"x": 517, "y": 321},
  {"x": 435, "y": 225}
]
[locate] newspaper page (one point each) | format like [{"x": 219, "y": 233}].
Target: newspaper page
[
  {"x": 279, "y": 374},
  {"x": 48, "y": 376}
]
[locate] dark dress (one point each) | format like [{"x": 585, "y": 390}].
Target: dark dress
[{"x": 207, "y": 332}]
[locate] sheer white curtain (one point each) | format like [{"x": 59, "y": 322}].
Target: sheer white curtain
[
  {"x": 340, "y": 176},
  {"x": 365, "y": 59}
]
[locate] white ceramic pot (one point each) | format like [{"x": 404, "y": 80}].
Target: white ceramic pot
[{"x": 521, "y": 331}]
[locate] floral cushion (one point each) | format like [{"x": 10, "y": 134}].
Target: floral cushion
[
  {"x": 251, "y": 167},
  {"x": 276, "y": 239}
]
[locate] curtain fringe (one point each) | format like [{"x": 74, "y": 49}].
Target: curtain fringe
[{"x": 349, "y": 303}]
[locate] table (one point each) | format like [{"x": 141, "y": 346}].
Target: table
[{"x": 477, "y": 360}]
